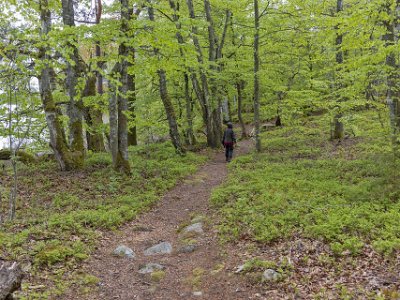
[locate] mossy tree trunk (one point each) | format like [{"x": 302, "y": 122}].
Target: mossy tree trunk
[
  {"x": 189, "y": 135},
  {"x": 209, "y": 98},
  {"x": 256, "y": 75},
  {"x": 239, "y": 89},
  {"x": 67, "y": 160},
  {"x": 74, "y": 69},
  {"x": 338, "y": 131},
  {"x": 393, "y": 85},
  {"x": 166, "y": 99},
  {"x": 94, "y": 119},
  {"x": 118, "y": 103}
]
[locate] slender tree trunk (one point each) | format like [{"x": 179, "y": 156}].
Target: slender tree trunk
[
  {"x": 190, "y": 138},
  {"x": 120, "y": 109},
  {"x": 215, "y": 54},
  {"x": 202, "y": 88},
  {"x": 94, "y": 117},
  {"x": 393, "y": 86},
  {"x": 169, "y": 109},
  {"x": 256, "y": 76},
  {"x": 132, "y": 133},
  {"x": 75, "y": 106},
  {"x": 338, "y": 132},
  {"x": 239, "y": 89},
  {"x": 113, "y": 113},
  {"x": 94, "y": 120},
  {"x": 65, "y": 158},
  {"x": 166, "y": 100}
]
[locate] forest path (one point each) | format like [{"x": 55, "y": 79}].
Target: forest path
[{"x": 205, "y": 273}]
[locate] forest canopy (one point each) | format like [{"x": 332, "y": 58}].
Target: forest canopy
[{"x": 80, "y": 76}]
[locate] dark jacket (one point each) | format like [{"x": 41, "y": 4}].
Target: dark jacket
[{"x": 229, "y": 137}]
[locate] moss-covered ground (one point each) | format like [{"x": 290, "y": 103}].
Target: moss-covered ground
[
  {"x": 302, "y": 185},
  {"x": 60, "y": 215}
]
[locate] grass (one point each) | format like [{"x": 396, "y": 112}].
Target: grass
[
  {"x": 61, "y": 215},
  {"x": 346, "y": 194}
]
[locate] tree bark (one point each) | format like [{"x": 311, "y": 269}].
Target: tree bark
[
  {"x": 75, "y": 105},
  {"x": 94, "y": 119},
  {"x": 201, "y": 87},
  {"x": 166, "y": 100},
  {"x": 120, "y": 158},
  {"x": 190, "y": 138},
  {"x": 132, "y": 130},
  {"x": 256, "y": 76},
  {"x": 338, "y": 132},
  {"x": 66, "y": 159},
  {"x": 113, "y": 121},
  {"x": 239, "y": 89},
  {"x": 169, "y": 110},
  {"x": 215, "y": 54},
  {"x": 393, "y": 86},
  {"x": 207, "y": 90}
]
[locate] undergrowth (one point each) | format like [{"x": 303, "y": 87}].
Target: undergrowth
[
  {"x": 60, "y": 215},
  {"x": 345, "y": 193}
]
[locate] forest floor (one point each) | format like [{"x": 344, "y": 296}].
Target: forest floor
[
  {"x": 307, "y": 218},
  {"x": 198, "y": 266}
]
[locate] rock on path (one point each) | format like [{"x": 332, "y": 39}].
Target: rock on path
[{"x": 161, "y": 248}]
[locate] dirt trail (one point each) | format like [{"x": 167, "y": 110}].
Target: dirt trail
[{"x": 205, "y": 273}]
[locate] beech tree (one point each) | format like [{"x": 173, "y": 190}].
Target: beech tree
[{"x": 177, "y": 69}]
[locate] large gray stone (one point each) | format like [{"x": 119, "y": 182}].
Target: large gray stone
[
  {"x": 271, "y": 275},
  {"x": 161, "y": 248},
  {"x": 194, "y": 228},
  {"x": 10, "y": 279},
  {"x": 188, "y": 249},
  {"x": 125, "y": 251},
  {"x": 150, "y": 268}
]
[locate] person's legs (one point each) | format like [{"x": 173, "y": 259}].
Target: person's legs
[
  {"x": 230, "y": 152},
  {"x": 227, "y": 152}
]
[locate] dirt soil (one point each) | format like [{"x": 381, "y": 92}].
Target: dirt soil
[{"x": 206, "y": 273}]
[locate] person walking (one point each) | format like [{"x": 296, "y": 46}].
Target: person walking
[{"x": 229, "y": 141}]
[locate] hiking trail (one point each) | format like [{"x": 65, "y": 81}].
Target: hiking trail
[{"x": 198, "y": 266}]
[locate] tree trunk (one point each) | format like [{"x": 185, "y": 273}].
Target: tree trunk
[
  {"x": 393, "y": 86},
  {"x": 132, "y": 132},
  {"x": 169, "y": 110},
  {"x": 256, "y": 76},
  {"x": 113, "y": 138},
  {"x": 202, "y": 88},
  {"x": 190, "y": 138},
  {"x": 239, "y": 89},
  {"x": 338, "y": 132},
  {"x": 66, "y": 159},
  {"x": 94, "y": 120},
  {"x": 166, "y": 100},
  {"x": 73, "y": 70},
  {"x": 120, "y": 109}
]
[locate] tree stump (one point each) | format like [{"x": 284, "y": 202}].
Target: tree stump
[{"x": 10, "y": 279}]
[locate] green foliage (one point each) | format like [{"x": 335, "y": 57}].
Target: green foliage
[
  {"x": 55, "y": 251},
  {"x": 304, "y": 184}
]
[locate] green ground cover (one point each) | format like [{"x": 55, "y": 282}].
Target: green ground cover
[
  {"x": 345, "y": 194},
  {"x": 61, "y": 215}
]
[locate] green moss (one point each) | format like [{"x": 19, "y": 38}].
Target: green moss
[{"x": 157, "y": 276}]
